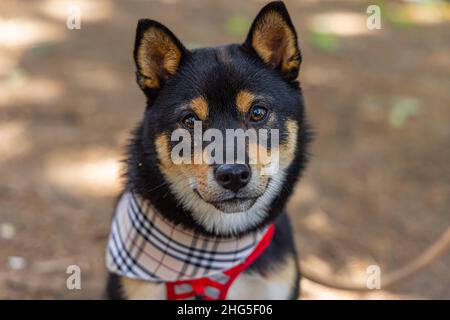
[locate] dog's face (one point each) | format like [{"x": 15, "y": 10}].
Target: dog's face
[{"x": 214, "y": 92}]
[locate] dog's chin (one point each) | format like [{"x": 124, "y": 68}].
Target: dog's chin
[{"x": 234, "y": 205}]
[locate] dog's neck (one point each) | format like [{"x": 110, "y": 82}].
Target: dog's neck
[{"x": 144, "y": 245}]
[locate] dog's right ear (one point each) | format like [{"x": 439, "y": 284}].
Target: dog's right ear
[{"x": 157, "y": 54}]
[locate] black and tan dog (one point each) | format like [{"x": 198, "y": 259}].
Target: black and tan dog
[{"x": 249, "y": 85}]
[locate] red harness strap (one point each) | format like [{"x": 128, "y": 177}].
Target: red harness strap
[{"x": 199, "y": 285}]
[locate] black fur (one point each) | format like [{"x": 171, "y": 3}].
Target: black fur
[{"x": 218, "y": 74}]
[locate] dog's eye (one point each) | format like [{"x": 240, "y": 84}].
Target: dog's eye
[
  {"x": 188, "y": 121},
  {"x": 258, "y": 113}
]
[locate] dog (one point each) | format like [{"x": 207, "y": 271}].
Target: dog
[{"x": 208, "y": 230}]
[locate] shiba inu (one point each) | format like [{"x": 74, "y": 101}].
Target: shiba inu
[{"x": 210, "y": 230}]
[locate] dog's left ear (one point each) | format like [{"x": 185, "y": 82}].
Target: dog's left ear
[
  {"x": 273, "y": 38},
  {"x": 158, "y": 55}
]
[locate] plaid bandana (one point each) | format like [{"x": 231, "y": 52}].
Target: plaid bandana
[{"x": 145, "y": 246}]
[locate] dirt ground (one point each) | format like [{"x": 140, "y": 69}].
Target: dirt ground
[{"x": 376, "y": 190}]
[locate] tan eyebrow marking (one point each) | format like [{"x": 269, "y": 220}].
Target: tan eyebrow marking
[
  {"x": 244, "y": 100},
  {"x": 200, "y": 107},
  {"x": 288, "y": 148}
]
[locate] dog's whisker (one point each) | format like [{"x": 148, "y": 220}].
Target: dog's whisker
[{"x": 157, "y": 187}]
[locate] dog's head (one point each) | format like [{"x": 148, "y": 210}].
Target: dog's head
[{"x": 200, "y": 101}]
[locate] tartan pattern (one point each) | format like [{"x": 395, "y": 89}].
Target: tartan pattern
[{"x": 143, "y": 245}]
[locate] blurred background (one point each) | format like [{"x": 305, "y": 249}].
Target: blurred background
[{"x": 377, "y": 188}]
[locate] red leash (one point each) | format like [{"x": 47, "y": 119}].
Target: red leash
[{"x": 199, "y": 285}]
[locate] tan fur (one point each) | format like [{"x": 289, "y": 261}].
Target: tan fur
[
  {"x": 275, "y": 42},
  {"x": 244, "y": 101},
  {"x": 162, "y": 148},
  {"x": 200, "y": 107},
  {"x": 179, "y": 175},
  {"x": 287, "y": 149},
  {"x": 142, "y": 290},
  {"x": 158, "y": 57}
]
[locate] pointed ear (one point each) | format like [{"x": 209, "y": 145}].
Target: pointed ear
[
  {"x": 273, "y": 38},
  {"x": 157, "y": 54}
]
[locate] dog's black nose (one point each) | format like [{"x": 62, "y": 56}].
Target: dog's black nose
[{"x": 233, "y": 176}]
